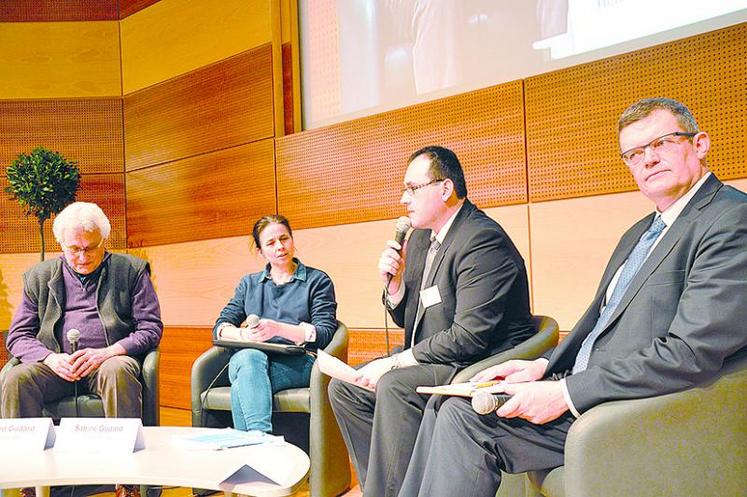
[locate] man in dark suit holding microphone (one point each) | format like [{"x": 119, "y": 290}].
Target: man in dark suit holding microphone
[
  {"x": 669, "y": 311},
  {"x": 459, "y": 288}
]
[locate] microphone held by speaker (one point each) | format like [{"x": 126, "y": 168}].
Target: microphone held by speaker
[
  {"x": 485, "y": 402},
  {"x": 73, "y": 336}
]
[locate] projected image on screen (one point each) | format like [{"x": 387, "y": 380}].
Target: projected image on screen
[{"x": 361, "y": 57}]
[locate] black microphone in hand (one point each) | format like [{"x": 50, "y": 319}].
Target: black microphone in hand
[
  {"x": 73, "y": 336},
  {"x": 402, "y": 227},
  {"x": 486, "y": 402}
]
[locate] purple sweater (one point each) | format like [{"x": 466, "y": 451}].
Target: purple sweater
[{"x": 80, "y": 310}]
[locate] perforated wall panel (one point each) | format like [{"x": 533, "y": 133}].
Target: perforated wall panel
[
  {"x": 88, "y": 131},
  {"x": 21, "y": 233},
  {"x": 219, "y": 106},
  {"x": 572, "y": 114},
  {"x": 58, "y": 10},
  {"x": 352, "y": 172}
]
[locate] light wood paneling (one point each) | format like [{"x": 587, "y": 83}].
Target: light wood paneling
[
  {"x": 21, "y": 233},
  {"x": 60, "y": 59},
  {"x": 572, "y": 113},
  {"x": 334, "y": 175},
  {"x": 172, "y": 37},
  {"x": 223, "y": 105},
  {"x": 58, "y": 10},
  {"x": 195, "y": 280},
  {"x": 12, "y": 266},
  {"x": 222, "y": 193},
  {"x": 180, "y": 346},
  {"x": 572, "y": 240},
  {"x": 129, "y": 7},
  {"x": 87, "y": 131}
]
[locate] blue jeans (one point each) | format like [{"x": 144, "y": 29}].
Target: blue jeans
[{"x": 255, "y": 377}]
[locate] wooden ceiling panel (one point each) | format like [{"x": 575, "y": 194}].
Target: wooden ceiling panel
[
  {"x": 220, "y": 106},
  {"x": 352, "y": 172},
  {"x": 572, "y": 114},
  {"x": 87, "y": 131},
  {"x": 209, "y": 196}
]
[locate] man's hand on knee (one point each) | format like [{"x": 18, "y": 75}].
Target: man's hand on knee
[
  {"x": 61, "y": 365},
  {"x": 86, "y": 361}
]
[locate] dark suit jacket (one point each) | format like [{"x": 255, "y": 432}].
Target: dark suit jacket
[
  {"x": 484, "y": 292},
  {"x": 683, "y": 314}
]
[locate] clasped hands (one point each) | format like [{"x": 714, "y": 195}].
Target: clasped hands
[
  {"x": 81, "y": 363},
  {"x": 536, "y": 401}
]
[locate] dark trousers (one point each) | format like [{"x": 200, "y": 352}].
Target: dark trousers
[
  {"x": 460, "y": 452},
  {"x": 379, "y": 428},
  {"x": 27, "y": 387}
]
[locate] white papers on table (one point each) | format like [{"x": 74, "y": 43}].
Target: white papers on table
[
  {"x": 335, "y": 368},
  {"x": 223, "y": 439}
]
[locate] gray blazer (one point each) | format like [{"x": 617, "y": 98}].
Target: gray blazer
[
  {"x": 684, "y": 313},
  {"x": 484, "y": 293}
]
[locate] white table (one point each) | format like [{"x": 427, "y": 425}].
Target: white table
[{"x": 160, "y": 463}]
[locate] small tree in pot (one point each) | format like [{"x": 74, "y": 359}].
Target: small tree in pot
[{"x": 43, "y": 182}]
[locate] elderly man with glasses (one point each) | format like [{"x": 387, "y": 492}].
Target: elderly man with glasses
[
  {"x": 668, "y": 313},
  {"x": 459, "y": 288},
  {"x": 108, "y": 297}
]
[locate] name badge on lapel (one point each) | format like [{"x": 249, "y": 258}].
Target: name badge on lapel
[{"x": 430, "y": 296}]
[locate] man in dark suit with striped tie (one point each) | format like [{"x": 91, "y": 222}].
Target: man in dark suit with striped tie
[
  {"x": 669, "y": 311},
  {"x": 459, "y": 288}
]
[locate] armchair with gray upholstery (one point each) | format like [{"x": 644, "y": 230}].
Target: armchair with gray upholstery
[
  {"x": 692, "y": 442},
  {"x": 90, "y": 405},
  {"x": 330, "y": 467},
  {"x": 532, "y": 348}
]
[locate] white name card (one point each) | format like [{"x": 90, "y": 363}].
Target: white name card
[
  {"x": 123, "y": 435},
  {"x": 26, "y": 434}
]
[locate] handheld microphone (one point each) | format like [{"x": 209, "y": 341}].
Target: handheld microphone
[
  {"x": 485, "y": 402},
  {"x": 73, "y": 336},
  {"x": 402, "y": 227},
  {"x": 252, "y": 320}
]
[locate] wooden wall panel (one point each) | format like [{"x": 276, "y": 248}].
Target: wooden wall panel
[
  {"x": 173, "y": 37},
  {"x": 194, "y": 293},
  {"x": 366, "y": 344},
  {"x": 58, "y": 10},
  {"x": 572, "y": 114},
  {"x": 209, "y": 196},
  {"x": 129, "y": 7},
  {"x": 220, "y": 106},
  {"x": 352, "y": 172},
  {"x": 60, "y": 60},
  {"x": 12, "y": 266},
  {"x": 21, "y": 233},
  {"x": 88, "y": 131},
  {"x": 180, "y": 346}
]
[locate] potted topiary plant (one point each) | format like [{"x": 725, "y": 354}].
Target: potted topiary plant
[{"x": 43, "y": 182}]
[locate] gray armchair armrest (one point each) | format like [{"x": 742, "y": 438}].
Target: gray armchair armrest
[
  {"x": 204, "y": 371},
  {"x": 325, "y": 441},
  {"x": 532, "y": 348},
  {"x": 687, "y": 443},
  {"x": 151, "y": 392}
]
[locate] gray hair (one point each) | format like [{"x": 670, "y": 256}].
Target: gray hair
[
  {"x": 642, "y": 108},
  {"x": 84, "y": 215}
]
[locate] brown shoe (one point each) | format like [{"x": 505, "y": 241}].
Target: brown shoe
[
  {"x": 126, "y": 491},
  {"x": 28, "y": 492}
]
